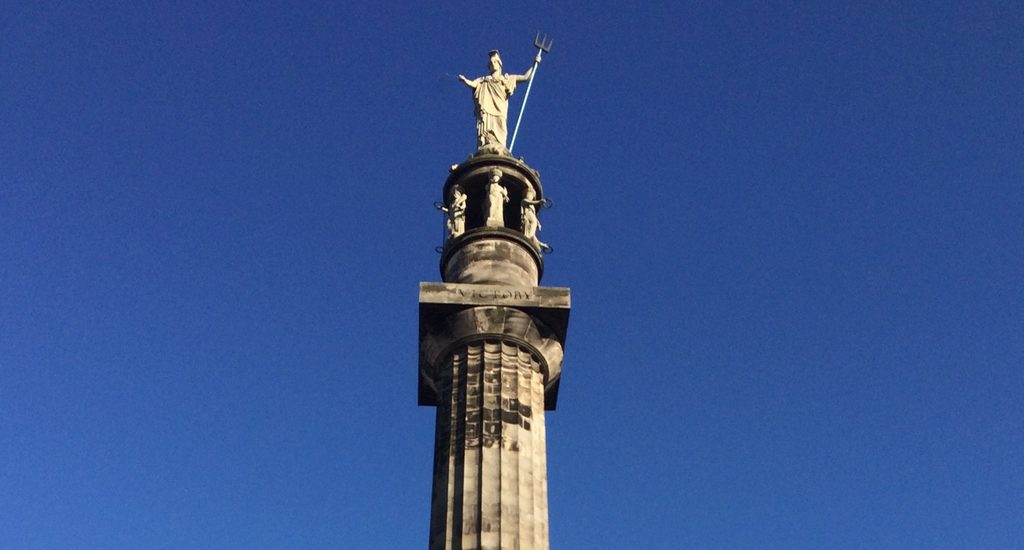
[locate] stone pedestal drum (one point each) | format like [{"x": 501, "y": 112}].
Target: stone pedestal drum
[{"x": 490, "y": 360}]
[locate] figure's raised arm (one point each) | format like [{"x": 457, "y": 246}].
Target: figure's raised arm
[
  {"x": 526, "y": 76},
  {"x": 471, "y": 83}
]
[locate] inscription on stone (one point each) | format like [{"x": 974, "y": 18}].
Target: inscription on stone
[
  {"x": 476, "y": 294},
  {"x": 493, "y": 294}
]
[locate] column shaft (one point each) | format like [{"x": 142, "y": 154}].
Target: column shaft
[{"x": 490, "y": 483}]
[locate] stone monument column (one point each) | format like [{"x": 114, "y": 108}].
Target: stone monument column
[{"x": 491, "y": 344}]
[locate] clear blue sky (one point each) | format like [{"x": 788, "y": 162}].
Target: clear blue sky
[{"x": 793, "y": 232}]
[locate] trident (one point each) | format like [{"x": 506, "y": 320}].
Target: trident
[{"x": 544, "y": 45}]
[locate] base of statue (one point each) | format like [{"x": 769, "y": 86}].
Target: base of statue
[{"x": 492, "y": 149}]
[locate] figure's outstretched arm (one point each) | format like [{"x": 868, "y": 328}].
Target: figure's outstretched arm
[
  {"x": 471, "y": 83},
  {"x": 529, "y": 73}
]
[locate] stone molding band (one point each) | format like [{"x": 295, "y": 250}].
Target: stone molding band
[{"x": 454, "y": 244}]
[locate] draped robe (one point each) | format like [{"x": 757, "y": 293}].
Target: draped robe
[{"x": 491, "y": 96}]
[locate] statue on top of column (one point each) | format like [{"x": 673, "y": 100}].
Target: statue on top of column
[{"x": 491, "y": 94}]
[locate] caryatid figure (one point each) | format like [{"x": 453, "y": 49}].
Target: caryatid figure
[
  {"x": 457, "y": 213},
  {"x": 497, "y": 196},
  {"x": 531, "y": 225},
  {"x": 491, "y": 94}
]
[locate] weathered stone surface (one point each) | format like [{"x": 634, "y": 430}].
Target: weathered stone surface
[
  {"x": 444, "y": 327},
  {"x": 492, "y": 259},
  {"x": 490, "y": 482}
]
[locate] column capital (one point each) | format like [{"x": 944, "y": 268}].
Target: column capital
[{"x": 452, "y": 314}]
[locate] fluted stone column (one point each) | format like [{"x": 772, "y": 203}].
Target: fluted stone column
[
  {"x": 490, "y": 443},
  {"x": 490, "y": 367},
  {"x": 491, "y": 345}
]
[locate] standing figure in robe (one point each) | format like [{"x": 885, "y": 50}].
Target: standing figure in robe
[
  {"x": 497, "y": 196},
  {"x": 491, "y": 93},
  {"x": 457, "y": 213},
  {"x": 531, "y": 225}
]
